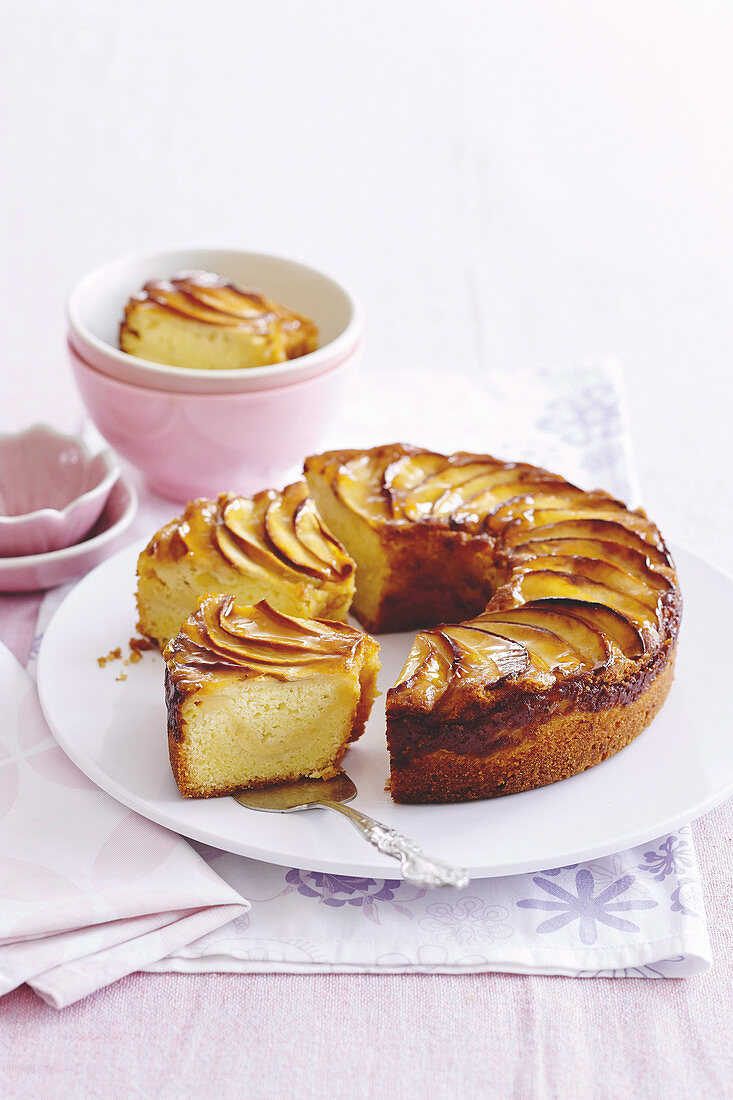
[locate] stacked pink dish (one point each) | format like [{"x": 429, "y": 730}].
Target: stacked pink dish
[
  {"x": 61, "y": 509},
  {"x": 196, "y": 432}
]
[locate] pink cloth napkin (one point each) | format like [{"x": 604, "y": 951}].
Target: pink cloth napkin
[{"x": 90, "y": 891}]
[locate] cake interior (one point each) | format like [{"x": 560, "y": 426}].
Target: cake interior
[
  {"x": 270, "y": 732},
  {"x": 179, "y": 342}
]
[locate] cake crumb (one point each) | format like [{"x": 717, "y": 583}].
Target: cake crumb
[
  {"x": 122, "y": 676},
  {"x": 137, "y": 647},
  {"x": 113, "y": 655}
]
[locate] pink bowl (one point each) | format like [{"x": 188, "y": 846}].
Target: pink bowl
[
  {"x": 200, "y": 444},
  {"x": 52, "y": 491}
]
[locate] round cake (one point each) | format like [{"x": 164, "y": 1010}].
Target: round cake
[{"x": 567, "y": 604}]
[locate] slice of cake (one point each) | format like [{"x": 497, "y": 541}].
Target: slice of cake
[
  {"x": 199, "y": 320},
  {"x": 271, "y": 546},
  {"x": 257, "y": 697}
]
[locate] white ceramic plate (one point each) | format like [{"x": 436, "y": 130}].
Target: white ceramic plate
[{"x": 114, "y": 730}]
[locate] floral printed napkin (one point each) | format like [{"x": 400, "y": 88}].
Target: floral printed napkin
[{"x": 635, "y": 914}]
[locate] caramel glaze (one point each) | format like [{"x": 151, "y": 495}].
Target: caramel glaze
[
  {"x": 208, "y": 298},
  {"x": 273, "y": 533},
  {"x": 221, "y": 640},
  {"x": 587, "y": 607}
]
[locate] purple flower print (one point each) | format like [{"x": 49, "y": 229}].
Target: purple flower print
[
  {"x": 673, "y": 856},
  {"x": 367, "y": 894},
  {"x": 340, "y": 890},
  {"x": 559, "y": 870},
  {"x": 587, "y": 908}
]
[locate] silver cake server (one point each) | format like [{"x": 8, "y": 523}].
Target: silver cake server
[{"x": 308, "y": 794}]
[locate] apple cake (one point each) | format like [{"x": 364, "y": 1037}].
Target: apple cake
[
  {"x": 270, "y": 546},
  {"x": 198, "y": 320},
  {"x": 568, "y": 605},
  {"x": 257, "y": 697}
]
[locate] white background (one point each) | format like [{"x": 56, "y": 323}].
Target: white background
[{"x": 504, "y": 183}]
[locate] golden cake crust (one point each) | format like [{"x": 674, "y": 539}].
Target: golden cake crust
[{"x": 547, "y": 751}]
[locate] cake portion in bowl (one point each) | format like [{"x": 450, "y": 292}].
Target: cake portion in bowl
[
  {"x": 199, "y": 320},
  {"x": 256, "y": 697},
  {"x": 271, "y": 546}
]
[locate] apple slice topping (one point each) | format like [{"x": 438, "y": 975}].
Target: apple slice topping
[
  {"x": 595, "y": 569},
  {"x": 614, "y": 553},
  {"x": 579, "y": 635},
  {"x": 358, "y": 483},
  {"x": 546, "y": 583},
  {"x": 238, "y": 534},
  {"x": 311, "y": 532},
  {"x": 281, "y": 536},
  {"x": 605, "y": 530},
  {"x": 548, "y": 652},
  {"x": 432, "y": 497},
  {"x": 257, "y": 640},
  {"x": 406, "y": 472},
  {"x": 427, "y": 671},
  {"x": 612, "y": 627}
]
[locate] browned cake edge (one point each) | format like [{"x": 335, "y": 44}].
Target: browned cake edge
[{"x": 564, "y": 745}]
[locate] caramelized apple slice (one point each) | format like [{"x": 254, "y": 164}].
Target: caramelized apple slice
[
  {"x": 480, "y": 500},
  {"x": 564, "y": 503},
  {"x": 187, "y": 304},
  {"x": 609, "y": 530},
  {"x": 279, "y": 528},
  {"x": 427, "y": 671},
  {"x": 313, "y": 535},
  {"x": 239, "y": 535},
  {"x": 584, "y": 638},
  {"x": 488, "y": 485},
  {"x": 623, "y": 557},
  {"x": 421, "y": 501},
  {"x": 504, "y": 656},
  {"x": 546, "y": 583},
  {"x": 613, "y": 626},
  {"x": 359, "y": 486},
  {"x": 244, "y": 305},
  {"x": 517, "y": 527},
  {"x": 406, "y": 472},
  {"x": 597, "y": 570},
  {"x": 548, "y": 652}
]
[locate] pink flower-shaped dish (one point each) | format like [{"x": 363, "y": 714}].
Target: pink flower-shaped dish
[
  {"x": 37, "y": 571},
  {"x": 52, "y": 491}
]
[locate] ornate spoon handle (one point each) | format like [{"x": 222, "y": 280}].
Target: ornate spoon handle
[{"x": 416, "y": 866}]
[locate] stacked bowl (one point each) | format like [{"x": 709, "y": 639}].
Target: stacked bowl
[{"x": 198, "y": 432}]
